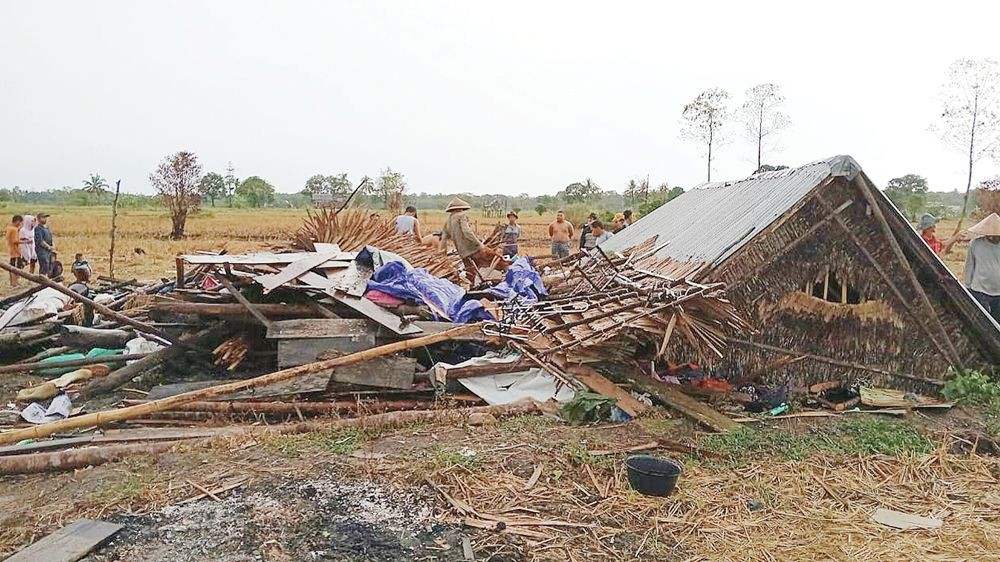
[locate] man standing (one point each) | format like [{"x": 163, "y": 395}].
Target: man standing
[
  {"x": 44, "y": 247},
  {"x": 14, "y": 246},
  {"x": 472, "y": 251},
  {"x": 982, "y": 265},
  {"x": 561, "y": 232},
  {"x": 407, "y": 223},
  {"x": 511, "y": 233},
  {"x": 585, "y": 230},
  {"x": 628, "y": 217}
]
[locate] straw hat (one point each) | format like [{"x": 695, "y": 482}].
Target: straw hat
[
  {"x": 457, "y": 204},
  {"x": 619, "y": 217},
  {"x": 990, "y": 226}
]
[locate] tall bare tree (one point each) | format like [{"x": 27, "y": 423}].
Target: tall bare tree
[
  {"x": 176, "y": 180},
  {"x": 762, "y": 117},
  {"x": 704, "y": 119},
  {"x": 970, "y": 118}
]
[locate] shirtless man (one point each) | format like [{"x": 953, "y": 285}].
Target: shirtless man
[{"x": 561, "y": 232}]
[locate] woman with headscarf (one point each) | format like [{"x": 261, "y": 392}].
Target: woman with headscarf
[{"x": 27, "y": 235}]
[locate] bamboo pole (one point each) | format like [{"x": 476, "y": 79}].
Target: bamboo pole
[
  {"x": 100, "y": 308},
  {"x": 101, "y": 418},
  {"x": 114, "y": 229}
]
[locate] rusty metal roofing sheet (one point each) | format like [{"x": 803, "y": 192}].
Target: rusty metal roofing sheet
[{"x": 713, "y": 220}]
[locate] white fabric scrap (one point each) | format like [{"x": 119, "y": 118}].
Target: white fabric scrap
[
  {"x": 141, "y": 345},
  {"x": 509, "y": 387},
  {"x": 59, "y": 409}
]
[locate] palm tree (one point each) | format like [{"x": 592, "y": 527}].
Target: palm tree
[{"x": 95, "y": 186}]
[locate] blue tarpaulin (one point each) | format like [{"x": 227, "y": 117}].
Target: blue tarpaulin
[
  {"x": 521, "y": 280},
  {"x": 421, "y": 286}
]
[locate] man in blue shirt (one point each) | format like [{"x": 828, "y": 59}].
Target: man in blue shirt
[{"x": 44, "y": 246}]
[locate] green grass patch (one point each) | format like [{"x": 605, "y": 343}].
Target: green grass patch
[
  {"x": 336, "y": 442},
  {"x": 441, "y": 458},
  {"x": 139, "y": 475},
  {"x": 527, "y": 424},
  {"x": 861, "y": 435},
  {"x": 580, "y": 455},
  {"x": 978, "y": 389}
]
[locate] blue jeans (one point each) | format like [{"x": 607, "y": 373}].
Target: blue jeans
[{"x": 44, "y": 263}]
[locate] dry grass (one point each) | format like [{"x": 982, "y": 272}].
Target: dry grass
[{"x": 87, "y": 230}]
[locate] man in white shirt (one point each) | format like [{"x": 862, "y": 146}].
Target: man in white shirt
[
  {"x": 407, "y": 223},
  {"x": 982, "y": 265}
]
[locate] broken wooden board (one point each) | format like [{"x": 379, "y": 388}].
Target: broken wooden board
[
  {"x": 325, "y": 247},
  {"x": 352, "y": 280},
  {"x": 905, "y": 521},
  {"x": 601, "y": 385},
  {"x": 295, "y": 352},
  {"x": 293, "y": 270},
  {"x": 69, "y": 544},
  {"x": 313, "y": 328},
  {"x": 375, "y": 312},
  {"x": 261, "y": 258},
  {"x": 382, "y": 372},
  {"x": 315, "y": 382},
  {"x": 892, "y": 398},
  {"x": 684, "y": 404}
]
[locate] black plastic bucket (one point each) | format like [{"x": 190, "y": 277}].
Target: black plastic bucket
[{"x": 652, "y": 476}]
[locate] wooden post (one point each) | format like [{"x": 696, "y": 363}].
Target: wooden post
[
  {"x": 179, "y": 263},
  {"x": 102, "y": 418},
  {"x": 258, "y": 315},
  {"x": 114, "y": 228}
]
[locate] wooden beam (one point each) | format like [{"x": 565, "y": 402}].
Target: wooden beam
[
  {"x": 601, "y": 385},
  {"x": 229, "y": 309},
  {"x": 905, "y": 263},
  {"x": 885, "y": 277},
  {"x": 294, "y": 270},
  {"x": 69, "y": 544},
  {"x": 670, "y": 395},
  {"x": 258, "y": 315}
]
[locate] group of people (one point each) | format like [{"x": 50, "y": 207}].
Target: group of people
[
  {"x": 30, "y": 245},
  {"x": 982, "y": 260}
]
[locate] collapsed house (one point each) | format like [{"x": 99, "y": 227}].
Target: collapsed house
[{"x": 828, "y": 272}]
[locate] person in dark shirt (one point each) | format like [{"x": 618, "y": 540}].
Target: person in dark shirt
[{"x": 44, "y": 246}]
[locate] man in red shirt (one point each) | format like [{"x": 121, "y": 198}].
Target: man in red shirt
[{"x": 928, "y": 232}]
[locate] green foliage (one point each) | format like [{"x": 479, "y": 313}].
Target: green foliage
[
  {"x": 588, "y": 407},
  {"x": 335, "y": 441},
  {"x": 255, "y": 191},
  {"x": 441, "y": 457},
  {"x": 661, "y": 198},
  {"x": 862, "y": 435},
  {"x": 540, "y": 209},
  {"x": 390, "y": 187},
  {"x": 337, "y": 185},
  {"x": 972, "y": 386},
  {"x": 580, "y": 455},
  {"x": 909, "y": 194},
  {"x": 95, "y": 186},
  {"x": 581, "y": 192},
  {"x": 212, "y": 187}
]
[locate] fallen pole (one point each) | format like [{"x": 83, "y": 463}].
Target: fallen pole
[
  {"x": 105, "y": 417},
  {"x": 103, "y": 359},
  {"x": 92, "y": 456},
  {"x": 98, "y": 307},
  {"x": 292, "y": 408}
]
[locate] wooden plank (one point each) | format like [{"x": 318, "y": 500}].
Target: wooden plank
[
  {"x": 261, "y": 258},
  {"x": 295, "y": 352},
  {"x": 383, "y": 372},
  {"x": 44, "y": 445},
  {"x": 375, "y": 312},
  {"x": 68, "y": 544},
  {"x": 306, "y": 328},
  {"x": 905, "y": 521},
  {"x": 684, "y": 404},
  {"x": 315, "y": 382},
  {"x": 326, "y": 247},
  {"x": 601, "y": 385},
  {"x": 292, "y": 271}
]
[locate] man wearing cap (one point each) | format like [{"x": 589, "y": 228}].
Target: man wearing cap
[
  {"x": 927, "y": 226},
  {"x": 472, "y": 251},
  {"x": 44, "y": 246},
  {"x": 982, "y": 265},
  {"x": 511, "y": 232}
]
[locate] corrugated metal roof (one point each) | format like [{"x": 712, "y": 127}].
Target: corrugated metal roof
[{"x": 713, "y": 220}]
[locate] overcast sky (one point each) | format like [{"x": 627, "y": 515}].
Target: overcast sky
[{"x": 482, "y": 97}]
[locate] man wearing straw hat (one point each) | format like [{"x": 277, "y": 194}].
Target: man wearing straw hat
[
  {"x": 472, "y": 251},
  {"x": 982, "y": 265}
]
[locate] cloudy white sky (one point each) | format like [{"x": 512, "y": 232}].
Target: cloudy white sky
[{"x": 468, "y": 96}]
